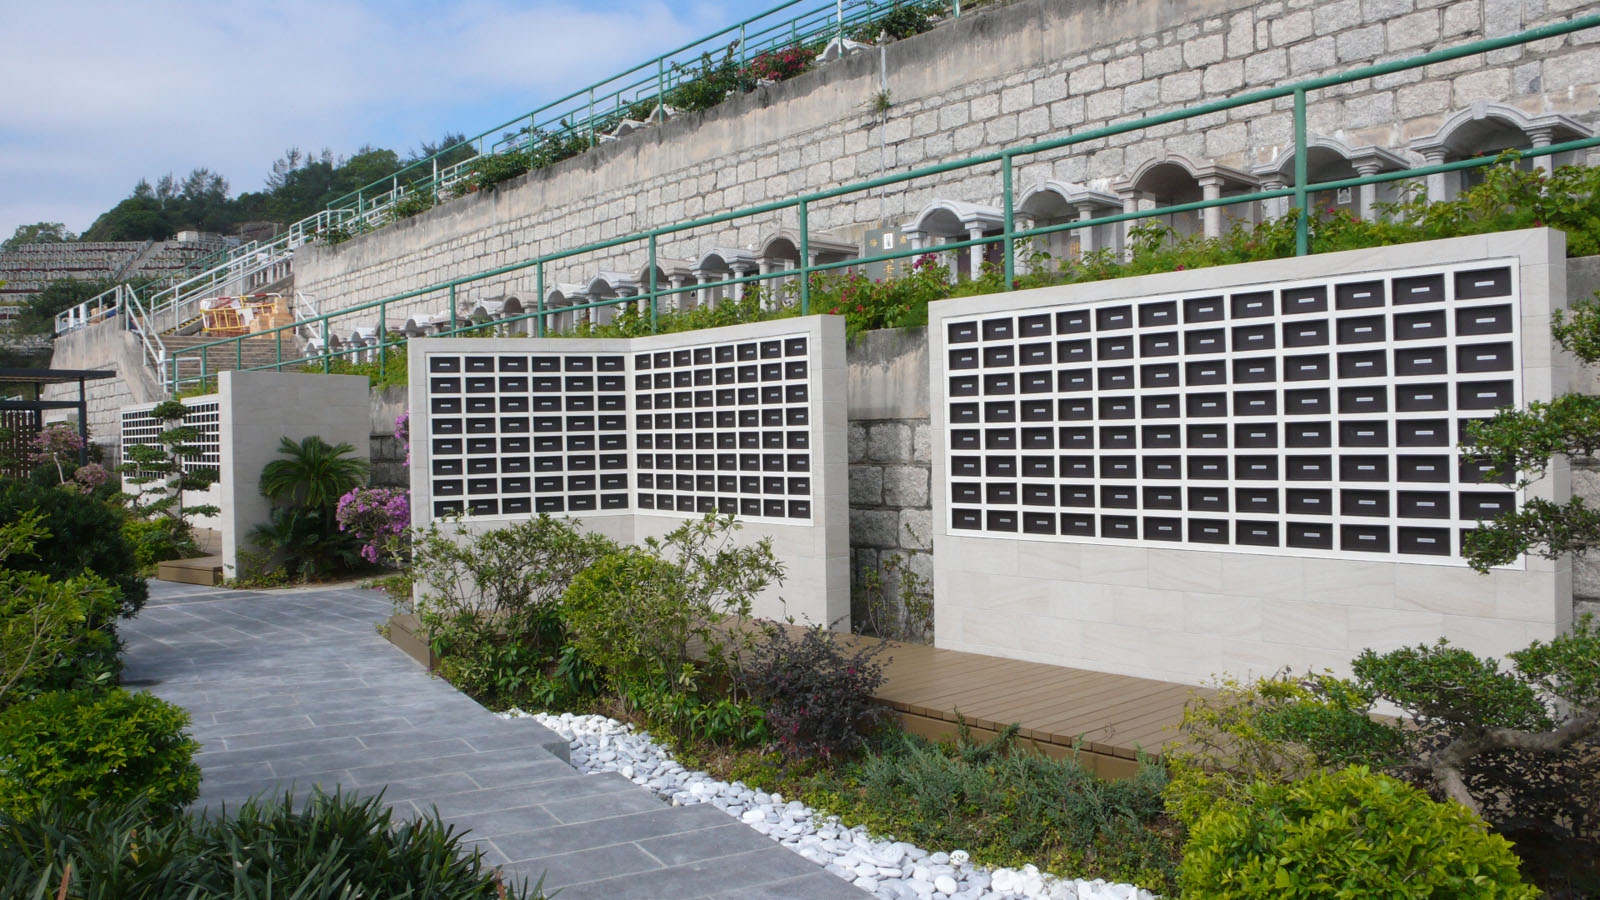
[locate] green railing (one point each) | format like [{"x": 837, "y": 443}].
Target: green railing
[
  {"x": 647, "y": 241},
  {"x": 586, "y": 113}
]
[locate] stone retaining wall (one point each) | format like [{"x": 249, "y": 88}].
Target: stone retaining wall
[{"x": 1025, "y": 71}]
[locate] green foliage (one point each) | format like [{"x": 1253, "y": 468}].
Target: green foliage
[
  {"x": 1005, "y": 803},
  {"x": 635, "y": 612},
  {"x": 95, "y": 747},
  {"x": 38, "y": 233},
  {"x": 393, "y": 371},
  {"x": 158, "y": 469},
  {"x": 1347, "y": 834},
  {"x": 1281, "y": 728},
  {"x": 818, "y": 695},
  {"x": 38, "y": 313},
  {"x": 329, "y": 847},
  {"x": 904, "y": 21},
  {"x": 157, "y": 540},
  {"x": 411, "y": 204},
  {"x": 305, "y": 543},
  {"x": 892, "y": 601},
  {"x": 710, "y": 85},
  {"x": 85, "y": 536},
  {"x": 490, "y": 605},
  {"x": 312, "y": 472},
  {"x": 302, "y": 532},
  {"x": 53, "y": 634},
  {"x": 698, "y": 717},
  {"x": 1514, "y": 744},
  {"x": 488, "y": 171}
]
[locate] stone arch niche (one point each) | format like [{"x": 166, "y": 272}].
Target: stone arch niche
[
  {"x": 1487, "y": 129},
  {"x": 780, "y": 252},
  {"x": 1330, "y": 159},
  {"x": 608, "y": 286},
  {"x": 1059, "y": 202},
  {"x": 1173, "y": 180},
  {"x": 558, "y": 303},
  {"x": 674, "y": 274},
  {"x": 720, "y": 264},
  {"x": 952, "y": 221}
]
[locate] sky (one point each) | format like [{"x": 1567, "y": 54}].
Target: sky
[{"x": 96, "y": 95}]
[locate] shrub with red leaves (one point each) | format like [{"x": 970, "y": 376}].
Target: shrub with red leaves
[{"x": 817, "y": 694}]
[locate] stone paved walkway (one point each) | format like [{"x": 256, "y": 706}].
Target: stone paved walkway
[{"x": 292, "y": 689}]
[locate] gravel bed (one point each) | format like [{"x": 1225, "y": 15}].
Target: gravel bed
[{"x": 892, "y": 870}]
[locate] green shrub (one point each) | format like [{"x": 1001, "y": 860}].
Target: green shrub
[
  {"x": 334, "y": 848},
  {"x": 85, "y": 747},
  {"x": 84, "y": 535},
  {"x": 48, "y": 636},
  {"x": 634, "y": 613},
  {"x": 490, "y": 605},
  {"x": 158, "y": 540},
  {"x": 818, "y": 697},
  {"x": 697, "y": 717},
  {"x": 1348, "y": 834},
  {"x": 1008, "y": 804}
]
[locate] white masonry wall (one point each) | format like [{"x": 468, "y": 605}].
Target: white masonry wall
[
  {"x": 1241, "y": 468},
  {"x": 258, "y": 410},
  {"x": 633, "y": 437}
]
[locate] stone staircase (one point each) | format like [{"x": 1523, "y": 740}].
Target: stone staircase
[{"x": 252, "y": 352}]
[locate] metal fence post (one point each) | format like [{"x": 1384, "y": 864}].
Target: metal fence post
[
  {"x": 805, "y": 263},
  {"x": 654, "y": 306},
  {"x": 1010, "y": 222},
  {"x": 1302, "y": 222},
  {"x": 452, "y": 308},
  {"x": 327, "y": 360},
  {"x": 383, "y": 334},
  {"x": 538, "y": 285}
]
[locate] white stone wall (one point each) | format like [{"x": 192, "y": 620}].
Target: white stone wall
[
  {"x": 1187, "y": 614},
  {"x": 259, "y": 409},
  {"x": 1031, "y": 70},
  {"x": 814, "y": 548}
]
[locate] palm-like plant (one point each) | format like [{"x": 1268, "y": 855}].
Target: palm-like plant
[{"x": 313, "y": 473}]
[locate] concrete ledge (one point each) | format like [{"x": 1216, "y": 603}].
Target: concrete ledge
[{"x": 206, "y": 570}]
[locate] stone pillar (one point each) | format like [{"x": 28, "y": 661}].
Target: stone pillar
[
  {"x": 1367, "y": 194},
  {"x": 683, "y": 300},
  {"x": 1438, "y": 184},
  {"x": 1540, "y": 138},
  {"x": 1130, "y": 205},
  {"x": 1085, "y": 235},
  {"x": 1211, "y": 218},
  {"x": 975, "y": 252},
  {"x": 1277, "y": 206},
  {"x": 740, "y": 270},
  {"x": 705, "y": 296}
]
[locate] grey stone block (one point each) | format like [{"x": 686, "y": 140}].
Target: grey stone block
[
  {"x": 905, "y": 486},
  {"x": 874, "y": 528},
  {"x": 866, "y": 485},
  {"x": 889, "y": 442}
]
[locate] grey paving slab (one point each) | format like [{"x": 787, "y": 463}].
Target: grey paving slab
[{"x": 290, "y": 690}]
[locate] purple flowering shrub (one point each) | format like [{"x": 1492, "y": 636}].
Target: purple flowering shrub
[
  {"x": 380, "y": 517},
  {"x": 817, "y": 691},
  {"x": 57, "y": 445},
  {"x": 402, "y": 433}
]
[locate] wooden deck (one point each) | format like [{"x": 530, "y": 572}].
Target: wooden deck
[
  {"x": 199, "y": 570},
  {"x": 1115, "y": 716}
]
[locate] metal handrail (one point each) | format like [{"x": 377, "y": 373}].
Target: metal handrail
[
  {"x": 369, "y": 206},
  {"x": 1007, "y": 238}
]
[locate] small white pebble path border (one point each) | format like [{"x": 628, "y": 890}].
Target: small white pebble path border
[{"x": 892, "y": 870}]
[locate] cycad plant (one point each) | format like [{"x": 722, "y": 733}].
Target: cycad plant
[{"x": 304, "y": 487}]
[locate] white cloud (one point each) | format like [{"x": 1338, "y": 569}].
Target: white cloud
[{"x": 100, "y": 94}]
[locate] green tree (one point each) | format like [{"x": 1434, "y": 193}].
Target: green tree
[
  {"x": 161, "y": 467},
  {"x": 38, "y": 233},
  {"x": 38, "y": 315}
]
